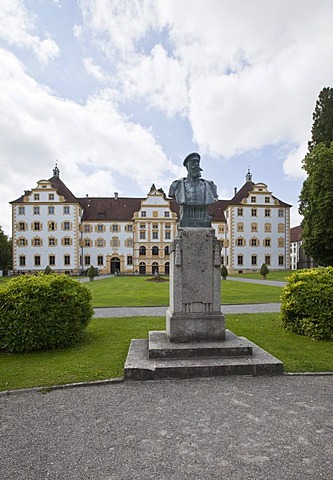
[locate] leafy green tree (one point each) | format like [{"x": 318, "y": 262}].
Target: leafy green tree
[
  {"x": 91, "y": 272},
  {"x": 316, "y": 204},
  {"x": 48, "y": 270},
  {"x": 224, "y": 272},
  {"x": 6, "y": 254},
  {"x": 322, "y": 128},
  {"x": 264, "y": 271}
]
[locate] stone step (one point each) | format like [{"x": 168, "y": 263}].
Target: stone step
[
  {"x": 160, "y": 347},
  {"x": 139, "y": 367}
]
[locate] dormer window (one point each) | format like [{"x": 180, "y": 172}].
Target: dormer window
[{"x": 36, "y": 196}]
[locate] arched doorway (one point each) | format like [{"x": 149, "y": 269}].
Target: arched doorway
[
  {"x": 154, "y": 268},
  {"x": 115, "y": 265},
  {"x": 167, "y": 268},
  {"x": 142, "y": 268}
]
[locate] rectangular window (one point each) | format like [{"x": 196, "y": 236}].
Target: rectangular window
[
  {"x": 155, "y": 235},
  {"x": 21, "y": 226},
  {"x": 253, "y": 259},
  {"x": 254, "y": 227},
  {"x": 267, "y": 259},
  {"x": 240, "y": 242},
  {"x": 115, "y": 228},
  {"x": 67, "y": 241},
  {"x": 87, "y": 242},
  {"x": 52, "y": 226},
  {"x": 36, "y": 196},
  {"x": 267, "y": 242},
  {"x": 167, "y": 235},
  {"x": 87, "y": 259},
  {"x": 50, "y": 210},
  {"x": 142, "y": 225},
  {"x": 129, "y": 260},
  {"x": 254, "y": 242},
  {"x": 67, "y": 259},
  {"x": 87, "y": 228},
  {"x": 268, "y": 227},
  {"x": 281, "y": 242},
  {"x": 51, "y": 259},
  {"x": 22, "y": 260},
  {"x": 37, "y": 260},
  {"x": 22, "y": 242},
  {"x": 240, "y": 259},
  {"x": 239, "y": 212},
  {"x": 21, "y": 210},
  {"x": 100, "y": 242},
  {"x": 143, "y": 213},
  {"x": 100, "y": 228},
  {"x": 155, "y": 225},
  {"x": 36, "y": 226},
  {"x": 66, "y": 225},
  {"x": 51, "y": 242},
  {"x": 281, "y": 259},
  {"x": 36, "y": 211},
  {"x": 142, "y": 235},
  {"x": 129, "y": 228},
  {"x": 66, "y": 210},
  {"x": 100, "y": 261},
  {"x": 51, "y": 196},
  {"x": 267, "y": 199},
  {"x": 280, "y": 227},
  {"x": 115, "y": 242},
  {"x": 36, "y": 242},
  {"x": 253, "y": 212},
  {"x": 166, "y": 214},
  {"x": 240, "y": 227},
  {"x": 267, "y": 212},
  {"x": 253, "y": 199},
  {"x": 281, "y": 213}
]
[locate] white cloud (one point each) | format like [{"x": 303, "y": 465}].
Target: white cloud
[
  {"x": 38, "y": 128},
  {"x": 158, "y": 79},
  {"x": 77, "y": 31},
  {"x": 17, "y": 25},
  {"x": 94, "y": 70},
  {"x": 247, "y": 74}
]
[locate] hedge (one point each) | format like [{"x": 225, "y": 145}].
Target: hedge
[
  {"x": 307, "y": 303},
  {"x": 42, "y": 312}
]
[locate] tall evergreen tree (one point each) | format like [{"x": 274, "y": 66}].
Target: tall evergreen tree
[
  {"x": 322, "y": 127},
  {"x": 5, "y": 251},
  {"x": 316, "y": 198}
]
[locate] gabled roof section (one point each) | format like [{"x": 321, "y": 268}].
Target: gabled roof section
[
  {"x": 296, "y": 234},
  {"x": 242, "y": 193},
  {"x": 62, "y": 190},
  {"x": 112, "y": 209}
]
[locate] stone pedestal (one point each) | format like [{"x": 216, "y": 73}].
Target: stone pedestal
[
  {"x": 195, "y": 343},
  {"x": 194, "y": 314}
]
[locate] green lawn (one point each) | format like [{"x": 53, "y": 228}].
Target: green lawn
[
  {"x": 280, "y": 275},
  {"x": 137, "y": 291},
  {"x": 102, "y": 352}
]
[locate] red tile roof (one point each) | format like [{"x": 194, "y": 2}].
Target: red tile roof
[{"x": 296, "y": 234}]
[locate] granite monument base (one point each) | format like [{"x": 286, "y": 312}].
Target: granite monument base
[{"x": 157, "y": 358}]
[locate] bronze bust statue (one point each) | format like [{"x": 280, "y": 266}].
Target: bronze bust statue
[{"x": 193, "y": 194}]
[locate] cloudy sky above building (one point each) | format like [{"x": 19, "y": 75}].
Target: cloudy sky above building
[{"x": 118, "y": 92}]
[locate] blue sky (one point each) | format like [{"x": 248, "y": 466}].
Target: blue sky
[{"x": 119, "y": 92}]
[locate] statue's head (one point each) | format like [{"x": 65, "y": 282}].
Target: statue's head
[{"x": 192, "y": 163}]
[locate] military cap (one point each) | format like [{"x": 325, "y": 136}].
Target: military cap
[{"x": 191, "y": 156}]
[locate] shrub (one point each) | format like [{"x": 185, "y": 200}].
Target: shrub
[
  {"x": 91, "y": 272},
  {"x": 264, "y": 270},
  {"x": 48, "y": 270},
  {"x": 42, "y": 312},
  {"x": 224, "y": 272},
  {"x": 307, "y": 303}
]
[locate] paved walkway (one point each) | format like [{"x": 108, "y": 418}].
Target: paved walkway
[
  {"x": 234, "y": 428},
  {"x": 160, "y": 311}
]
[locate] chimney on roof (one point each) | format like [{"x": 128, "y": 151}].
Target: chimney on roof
[
  {"x": 235, "y": 190},
  {"x": 116, "y": 195},
  {"x": 87, "y": 195},
  {"x": 26, "y": 192}
]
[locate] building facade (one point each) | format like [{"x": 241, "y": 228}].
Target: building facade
[
  {"x": 298, "y": 257},
  {"x": 133, "y": 235}
]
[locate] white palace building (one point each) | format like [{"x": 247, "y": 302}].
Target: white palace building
[{"x": 133, "y": 235}]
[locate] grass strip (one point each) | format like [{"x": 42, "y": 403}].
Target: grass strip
[
  {"x": 102, "y": 352},
  {"x": 138, "y": 292}
]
